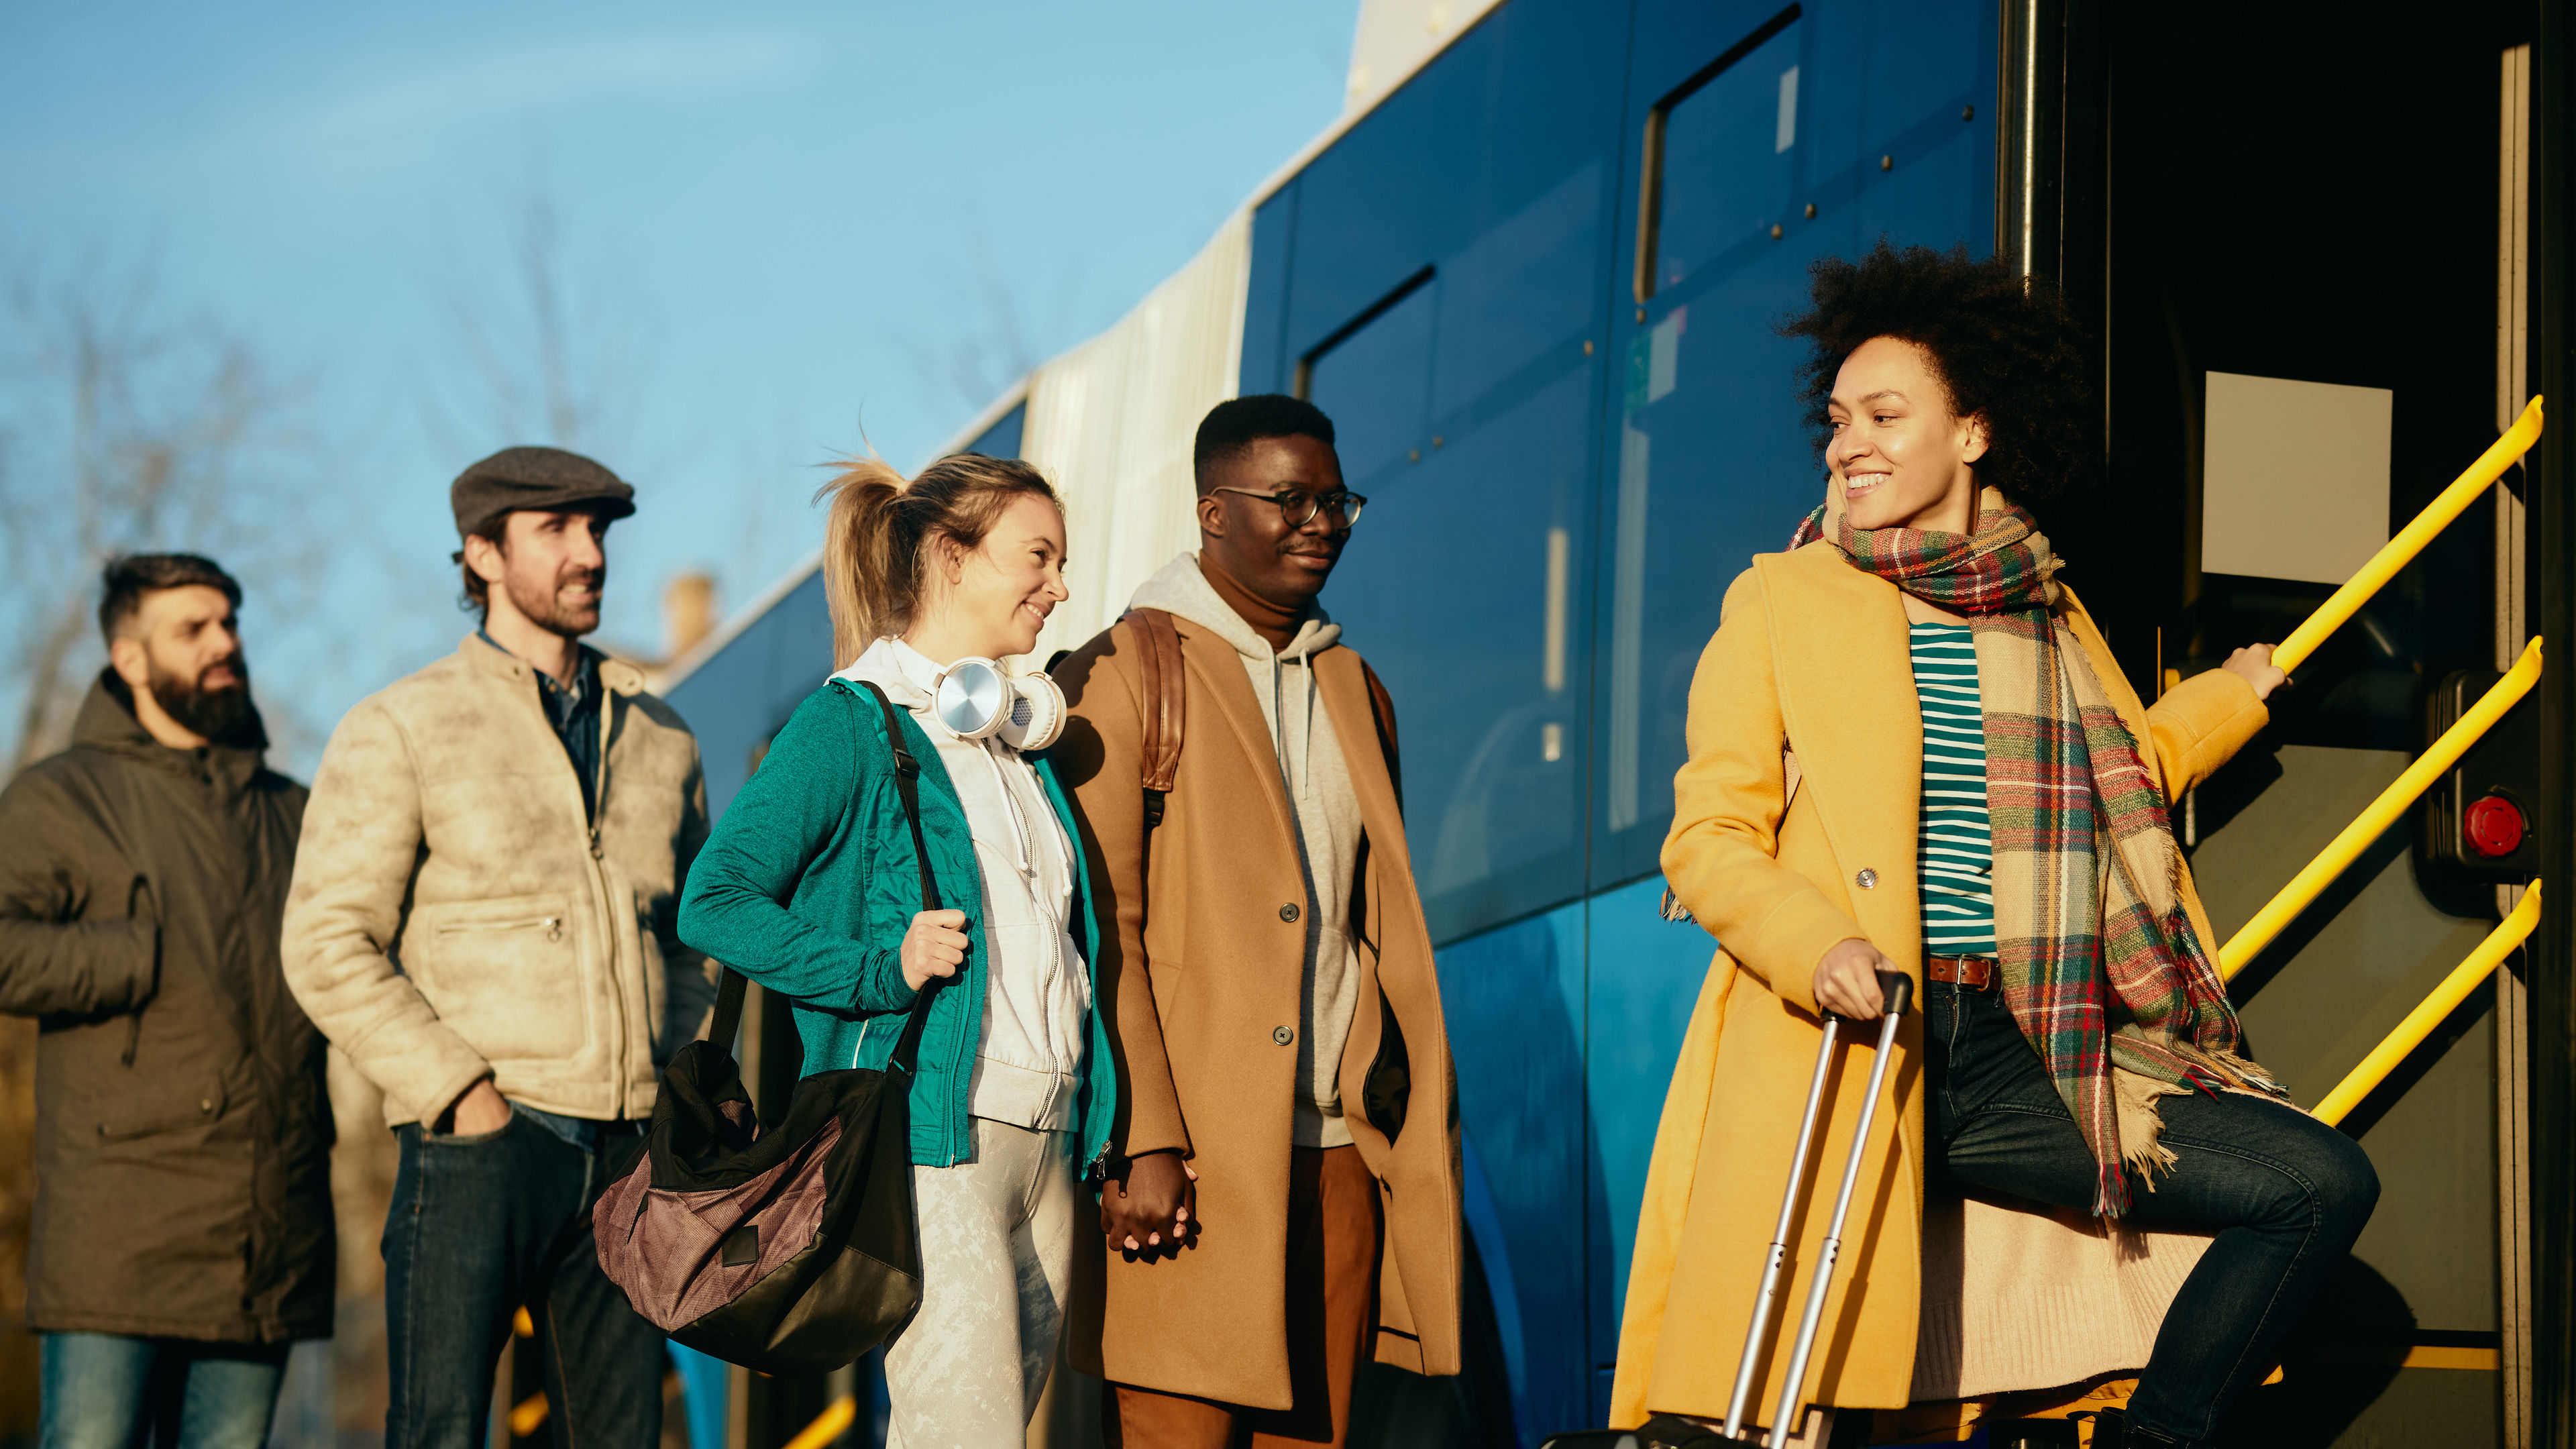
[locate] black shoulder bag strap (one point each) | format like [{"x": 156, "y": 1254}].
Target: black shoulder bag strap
[
  {"x": 907, "y": 782},
  {"x": 907, "y": 776}
]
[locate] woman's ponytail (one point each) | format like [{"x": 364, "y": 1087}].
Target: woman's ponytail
[
  {"x": 880, "y": 526},
  {"x": 865, "y": 574}
]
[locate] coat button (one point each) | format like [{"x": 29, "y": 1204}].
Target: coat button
[
  {"x": 1867, "y": 879},
  {"x": 1288, "y": 912},
  {"x": 206, "y": 1105},
  {"x": 1282, "y": 1035}
]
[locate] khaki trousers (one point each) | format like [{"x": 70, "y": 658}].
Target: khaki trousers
[{"x": 1334, "y": 1233}]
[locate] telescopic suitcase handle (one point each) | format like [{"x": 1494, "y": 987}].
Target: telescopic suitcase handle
[{"x": 1898, "y": 990}]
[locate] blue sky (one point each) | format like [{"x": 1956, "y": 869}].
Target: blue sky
[{"x": 771, "y": 225}]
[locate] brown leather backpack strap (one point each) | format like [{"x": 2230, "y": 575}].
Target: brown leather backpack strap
[
  {"x": 1382, "y": 705},
  {"x": 1163, "y": 709}
]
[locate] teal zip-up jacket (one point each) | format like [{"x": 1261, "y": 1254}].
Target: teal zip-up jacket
[{"x": 808, "y": 884}]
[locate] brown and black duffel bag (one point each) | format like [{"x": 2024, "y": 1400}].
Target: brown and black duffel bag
[{"x": 790, "y": 1250}]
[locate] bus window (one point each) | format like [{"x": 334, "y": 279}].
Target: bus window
[
  {"x": 1766, "y": 157},
  {"x": 1464, "y": 406},
  {"x": 1002, "y": 439},
  {"x": 1373, "y": 379},
  {"x": 1719, "y": 157}
]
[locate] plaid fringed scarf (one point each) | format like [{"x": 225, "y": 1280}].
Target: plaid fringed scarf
[{"x": 2101, "y": 966}]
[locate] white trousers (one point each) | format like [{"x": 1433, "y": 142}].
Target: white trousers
[{"x": 996, "y": 1254}]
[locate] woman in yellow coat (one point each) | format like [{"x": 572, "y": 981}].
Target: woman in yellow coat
[{"x": 1911, "y": 751}]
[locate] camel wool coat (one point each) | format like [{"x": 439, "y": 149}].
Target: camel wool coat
[
  {"x": 1811, "y": 660},
  {"x": 1199, "y": 970}
]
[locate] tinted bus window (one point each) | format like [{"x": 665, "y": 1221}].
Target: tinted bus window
[
  {"x": 1724, "y": 145},
  {"x": 1375, "y": 383},
  {"x": 743, "y": 693},
  {"x": 1002, "y": 439},
  {"x": 1858, "y": 112},
  {"x": 1459, "y": 584},
  {"x": 1467, "y": 397}
]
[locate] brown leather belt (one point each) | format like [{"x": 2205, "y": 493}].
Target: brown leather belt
[{"x": 1968, "y": 973}]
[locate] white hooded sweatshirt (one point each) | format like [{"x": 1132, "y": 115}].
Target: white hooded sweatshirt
[
  {"x": 1037, "y": 989},
  {"x": 1318, "y": 782}
]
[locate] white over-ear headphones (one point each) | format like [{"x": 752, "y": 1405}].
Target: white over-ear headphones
[{"x": 974, "y": 699}]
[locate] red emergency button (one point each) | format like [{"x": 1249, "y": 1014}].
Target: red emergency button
[{"x": 2494, "y": 827}]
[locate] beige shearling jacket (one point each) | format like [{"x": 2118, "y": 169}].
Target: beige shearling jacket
[{"x": 454, "y": 915}]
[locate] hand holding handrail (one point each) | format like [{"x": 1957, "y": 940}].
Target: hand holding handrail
[
  {"x": 2400, "y": 551},
  {"x": 2304, "y": 887}
]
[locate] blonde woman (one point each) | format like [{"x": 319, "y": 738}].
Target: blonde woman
[{"x": 809, "y": 886}]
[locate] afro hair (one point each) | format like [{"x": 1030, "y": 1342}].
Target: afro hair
[{"x": 2004, "y": 345}]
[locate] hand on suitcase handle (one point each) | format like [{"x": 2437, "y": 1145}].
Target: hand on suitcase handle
[
  {"x": 1847, "y": 980},
  {"x": 1856, "y": 982}
]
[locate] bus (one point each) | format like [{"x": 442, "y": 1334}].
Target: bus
[{"x": 1536, "y": 282}]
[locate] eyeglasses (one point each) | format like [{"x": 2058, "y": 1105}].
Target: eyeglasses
[{"x": 1297, "y": 507}]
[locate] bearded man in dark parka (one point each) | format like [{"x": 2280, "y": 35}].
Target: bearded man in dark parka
[{"x": 183, "y": 1234}]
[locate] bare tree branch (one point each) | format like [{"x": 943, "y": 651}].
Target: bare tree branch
[
  {"x": 1011, "y": 324},
  {"x": 124, "y": 427},
  {"x": 556, "y": 355}
]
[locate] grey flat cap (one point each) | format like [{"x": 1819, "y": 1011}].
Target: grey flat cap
[{"x": 516, "y": 478}]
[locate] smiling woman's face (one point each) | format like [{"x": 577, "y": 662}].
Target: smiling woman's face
[
  {"x": 991, "y": 601},
  {"x": 1898, "y": 455}
]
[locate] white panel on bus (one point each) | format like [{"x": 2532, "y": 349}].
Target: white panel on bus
[{"x": 2294, "y": 477}]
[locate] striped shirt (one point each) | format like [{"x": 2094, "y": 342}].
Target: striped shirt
[{"x": 1956, "y": 845}]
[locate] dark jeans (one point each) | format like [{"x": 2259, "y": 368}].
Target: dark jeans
[
  {"x": 484, "y": 1225},
  {"x": 102, "y": 1391},
  {"x": 2288, "y": 1193}
]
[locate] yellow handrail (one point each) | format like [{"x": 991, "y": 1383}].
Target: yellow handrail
[
  {"x": 2419, "y": 1023},
  {"x": 828, "y": 1425},
  {"x": 2304, "y": 887},
  {"x": 2398, "y": 552}
]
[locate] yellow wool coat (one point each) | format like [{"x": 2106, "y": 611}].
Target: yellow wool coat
[
  {"x": 1197, "y": 970},
  {"x": 1811, "y": 660}
]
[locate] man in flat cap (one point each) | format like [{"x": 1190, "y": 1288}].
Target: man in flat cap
[{"x": 482, "y": 921}]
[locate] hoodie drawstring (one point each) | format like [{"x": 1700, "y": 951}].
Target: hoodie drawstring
[
  {"x": 1011, "y": 802},
  {"x": 1297, "y": 781},
  {"x": 1279, "y": 725},
  {"x": 1306, "y": 762}
]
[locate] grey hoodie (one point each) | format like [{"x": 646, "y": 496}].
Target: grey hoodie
[{"x": 1318, "y": 783}]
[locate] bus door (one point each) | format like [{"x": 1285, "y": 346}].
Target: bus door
[{"x": 2306, "y": 286}]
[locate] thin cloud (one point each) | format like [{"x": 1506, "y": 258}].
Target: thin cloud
[{"x": 517, "y": 82}]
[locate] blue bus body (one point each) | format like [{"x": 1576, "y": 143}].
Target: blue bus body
[
  {"x": 1563, "y": 391},
  {"x": 1573, "y": 439}
]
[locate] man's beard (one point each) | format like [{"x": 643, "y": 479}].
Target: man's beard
[
  {"x": 214, "y": 713},
  {"x": 543, "y": 607}
]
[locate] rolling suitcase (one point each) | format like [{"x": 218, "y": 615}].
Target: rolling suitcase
[{"x": 1667, "y": 1432}]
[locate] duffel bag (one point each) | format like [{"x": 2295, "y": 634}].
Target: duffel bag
[{"x": 792, "y": 1249}]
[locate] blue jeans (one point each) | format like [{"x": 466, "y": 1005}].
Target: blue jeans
[
  {"x": 2288, "y": 1193},
  {"x": 483, "y": 1225},
  {"x": 105, "y": 1390}
]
